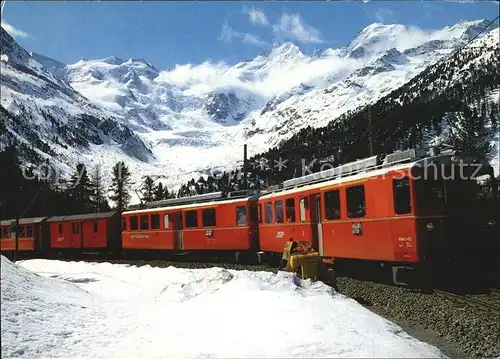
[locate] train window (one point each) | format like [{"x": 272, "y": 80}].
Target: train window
[
  {"x": 29, "y": 231},
  {"x": 155, "y": 221},
  {"x": 332, "y": 204},
  {"x": 268, "y": 212},
  {"x": 356, "y": 202},
  {"x": 60, "y": 228},
  {"x": 144, "y": 221},
  {"x": 208, "y": 217},
  {"x": 95, "y": 226},
  {"x": 5, "y": 232},
  {"x": 76, "y": 227},
  {"x": 402, "y": 196},
  {"x": 73, "y": 228},
  {"x": 21, "y": 231},
  {"x": 124, "y": 224},
  {"x": 290, "y": 210},
  {"x": 260, "y": 213},
  {"x": 302, "y": 207},
  {"x": 134, "y": 223},
  {"x": 191, "y": 219},
  {"x": 165, "y": 221},
  {"x": 278, "y": 210},
  {"x": 254, "y": 215},
  {"x": 241, "y": 215}
]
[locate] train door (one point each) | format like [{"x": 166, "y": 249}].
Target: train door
[
  {"x": 177, "y": 222},
  {"x": 316, "y": 222},
  {"x": 76, "y": 234}
]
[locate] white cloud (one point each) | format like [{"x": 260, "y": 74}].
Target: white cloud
[
  {"x": 281, "y": 74},
  {"x": 384, "y": 15},
  {"x": 256, "y": 16},
  {"x": 228, "y": 34},
  {"x": 208, "y": 73},
  {"x": 293, "y": 26},
  {"x": 253, "y": 39},
  {"x": 15, "y": 33}
]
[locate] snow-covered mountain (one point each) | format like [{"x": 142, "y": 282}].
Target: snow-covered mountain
[
  {"x": 193, "y": 118},
  {"x": 47, "y": 118}
]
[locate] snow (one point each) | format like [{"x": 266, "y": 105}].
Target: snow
[{"x": 88, "y": 310}]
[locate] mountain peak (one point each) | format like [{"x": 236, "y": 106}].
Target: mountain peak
[
  {"x": 52, "y": 65},
  {"x": 282, "y": 49},
  {"x": 139, "y": 60},
  {"x": 470, "y": 29},
  {"x": 285, "y": 50},
  {"x": 113, "y": 60}
]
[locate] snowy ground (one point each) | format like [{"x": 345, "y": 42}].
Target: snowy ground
[{"x": 88, "y": 310}]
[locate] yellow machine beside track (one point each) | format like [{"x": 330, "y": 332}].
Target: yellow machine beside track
[{"x": 303, "y": 260}]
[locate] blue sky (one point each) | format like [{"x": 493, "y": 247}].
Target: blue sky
[{"x": 169, "y": 33}]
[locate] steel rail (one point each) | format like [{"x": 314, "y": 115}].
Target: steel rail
[{"x": 473, "y": 302}]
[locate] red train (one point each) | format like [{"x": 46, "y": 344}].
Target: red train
[{"x": 404, "y": 209}]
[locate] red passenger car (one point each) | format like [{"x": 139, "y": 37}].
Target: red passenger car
[
  {"x": 402, "y": 209},
  {"x": 96, "y": 232},
  {"x": 30, "y": 235},
  {"x": 198, "y": 223}
]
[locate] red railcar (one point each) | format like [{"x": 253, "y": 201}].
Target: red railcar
[
  {"x": 216, "y": 225},
  {"x": 349, "y": 217},
  {"x": 97, "y": 232},
  {"x": 30, "y": 235},
  {"x": 406, "y": 208}
]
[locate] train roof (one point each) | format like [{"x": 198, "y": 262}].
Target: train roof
[
  {"x": 192, "y": 205},
  {"x": 373, "y": 167},
  {"x": 82, "y": 216},
  {"x": 335, "y": 181},
  {"x": 32, "y": 220}
]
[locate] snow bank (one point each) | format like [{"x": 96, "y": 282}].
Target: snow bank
[{"x": 89, "y": 310}]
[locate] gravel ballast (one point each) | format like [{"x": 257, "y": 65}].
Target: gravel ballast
[{"x": 475, "y": 333}]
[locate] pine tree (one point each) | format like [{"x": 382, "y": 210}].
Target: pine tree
[
  {"x": 159, "y": 192},
  {"x": 148, "y": 190},
  {"x": 120, "y": 186},
  {"x": 469, "y": 133},
  {"x": 97, "y": 198},
  {"x": 80, "y": 187},
  {"x": 167, "y": 194}
]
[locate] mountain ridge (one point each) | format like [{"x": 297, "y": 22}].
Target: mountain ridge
[{"x": 209, "y": 110}]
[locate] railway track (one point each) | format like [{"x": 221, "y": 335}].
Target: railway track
[
  {"x": 494, "y": 291},
  {"x": 491, "y": 308}
]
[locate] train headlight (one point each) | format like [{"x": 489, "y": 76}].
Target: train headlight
[{"x": 430, "y": 226}]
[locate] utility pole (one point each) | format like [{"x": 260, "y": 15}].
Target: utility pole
[
  {"x": 16, "y": 224},
  {"x": 370, "y": 135},
  {"x": 245, "y": 167},
  {"x": 98, "y": 188}
]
